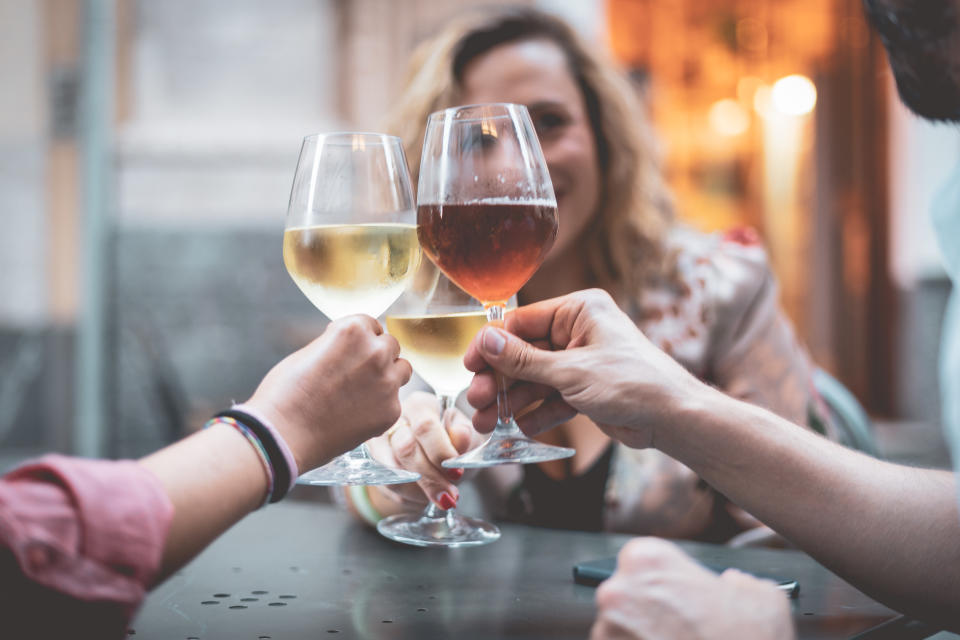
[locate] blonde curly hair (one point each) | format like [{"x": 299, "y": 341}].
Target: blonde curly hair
[{"x": 625, "y": 243}]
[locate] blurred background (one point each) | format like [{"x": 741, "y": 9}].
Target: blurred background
[{"x": 147, "y": 149}]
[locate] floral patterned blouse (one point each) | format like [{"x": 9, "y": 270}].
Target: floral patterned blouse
[{"x": 719, "y": 318}]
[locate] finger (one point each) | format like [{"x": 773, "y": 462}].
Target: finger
[
  {"x": 473, "y": 360},
  {"x": 482, "y": 393},
  {"x": 381, "y": 451},
  {"x": 361, "y": 320},
  {"x": 427, "y": 426},
  {"x": 617, "y": 608},
  {"x": 482, "y": 390},
  {"x": 391, "y": 345},
  {"x": 534, "y": 321},
  {"x": 460, "y": 430},
  {"x": 433, "y": 482},
  {"x": 646, "y": 553},
  {"x": 552, "y": 412},
  {"x": 403, "y": 371},
  {"x": 516, "y": 358},
  {"x": 485, "y": 420}
]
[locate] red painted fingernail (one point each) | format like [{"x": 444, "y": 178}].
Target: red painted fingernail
[
  {"x": 446, "y": 501},
  {"x": 456, "y": 474}
]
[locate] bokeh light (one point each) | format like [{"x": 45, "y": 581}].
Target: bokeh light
[{"x": 794, "y": 95}]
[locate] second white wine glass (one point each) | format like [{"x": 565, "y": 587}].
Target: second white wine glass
[
  {"x": 350, "y": 245},
  {"x": 434, "y": 322}
]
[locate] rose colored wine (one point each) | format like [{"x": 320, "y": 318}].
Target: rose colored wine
[{"x": 490, "y": 248}]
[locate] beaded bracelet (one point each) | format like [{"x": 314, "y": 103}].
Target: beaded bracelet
[{"x": 257, "y": 446}]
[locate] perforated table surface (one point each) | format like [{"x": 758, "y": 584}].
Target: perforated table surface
[{"x": 299, "y": 570}]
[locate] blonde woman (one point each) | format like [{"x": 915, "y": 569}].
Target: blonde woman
[{"x": 709, "y": 301}]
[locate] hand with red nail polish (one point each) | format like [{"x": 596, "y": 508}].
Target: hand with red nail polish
[
  {"x": 446, "y": 501},
  {"x": 420, "y": 441}
]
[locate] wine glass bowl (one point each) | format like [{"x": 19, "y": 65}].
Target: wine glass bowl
[
  {"x": 350, "y": 242},
  {"x": 350, "y": 245},
  {"x": 434, "y": 322},
  {"x": 487, "y": 216},
  {"x": 486, "y": 211}
]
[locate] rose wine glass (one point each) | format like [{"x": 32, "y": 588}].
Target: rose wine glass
[
  {"x": 434, "y": 323},
  {"x": 487, "y": 216},
  {"x": 350, "y": 244}
]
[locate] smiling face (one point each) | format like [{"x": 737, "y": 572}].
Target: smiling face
[{"x": 535, "y": 73}]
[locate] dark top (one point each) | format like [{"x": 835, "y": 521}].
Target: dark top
[{"x": 575, "y": 502}]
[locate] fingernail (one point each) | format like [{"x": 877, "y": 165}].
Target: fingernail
[
  {"x": 494, "y": 341},
  {"x": 446, "y": 501},
  {"x": 455, "y": 474}
]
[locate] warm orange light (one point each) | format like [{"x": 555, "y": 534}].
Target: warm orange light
[
  {"x": 747, "y": 88},
  {"x": 728, "y": 118}
]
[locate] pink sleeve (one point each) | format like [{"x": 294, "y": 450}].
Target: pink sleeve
[{"x": 80, "y": 540}]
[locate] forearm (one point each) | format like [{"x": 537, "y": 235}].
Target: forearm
[
  {"x": 213, "y": 478},
  {"x": 892, "y": 531}
]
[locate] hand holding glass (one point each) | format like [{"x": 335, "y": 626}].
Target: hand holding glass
[
  {"x": 487, "y": 216},
  {"x": 351, "y": 246}
]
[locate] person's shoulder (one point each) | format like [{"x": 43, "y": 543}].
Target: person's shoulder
[
  {"x": 726, "y": 253},
  {"x": 732, "y": 266}
]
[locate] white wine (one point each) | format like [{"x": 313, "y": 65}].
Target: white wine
[
  {"x": 352, "y": 268},
  {"x": 435, "y": 346}
]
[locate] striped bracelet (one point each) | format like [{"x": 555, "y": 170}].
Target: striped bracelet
[{"x": 257, "y": 446}]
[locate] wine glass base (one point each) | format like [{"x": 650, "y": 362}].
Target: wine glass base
[
  {"x": 447, "y": 529},
  {"x": 345, "y": 470},
  {"x": 507, "y": 449}
]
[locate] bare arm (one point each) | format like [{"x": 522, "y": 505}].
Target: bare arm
[
  {"x": 892, "y": 531},
  {"x": 324, "y": 399},
  {"x": 213, "y": 479}
]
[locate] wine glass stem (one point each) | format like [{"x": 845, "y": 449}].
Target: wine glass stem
[
  {"x": 505, "y": 424},
  {"x": 433, "y": 512},
  {"x": 358, "y": 454}
]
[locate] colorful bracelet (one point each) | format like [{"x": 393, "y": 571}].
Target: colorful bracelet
[
  {"x": 257, "y": 446},
  {"x": 281, "y": 443},
  {"x": 276, "y": 449},
  {"x": 362, "y": 503}
]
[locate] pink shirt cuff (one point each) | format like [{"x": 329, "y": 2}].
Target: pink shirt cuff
[{"x": 92, "y": 529}]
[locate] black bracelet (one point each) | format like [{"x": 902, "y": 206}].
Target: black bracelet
[{"x": 281, "y": 470}]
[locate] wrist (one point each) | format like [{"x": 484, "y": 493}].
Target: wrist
[
  {"x": 299, "y": 446},
  {"x": 232, "y": 444},
  {"x": 687, "y": 416},
  {"x": 279, "y": 461}
]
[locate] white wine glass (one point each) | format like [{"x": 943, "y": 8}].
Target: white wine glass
[
  {"x": 487, "y": 216},
  {"x": 434, "y": 322},
  {"x": 350, "y": 245}
]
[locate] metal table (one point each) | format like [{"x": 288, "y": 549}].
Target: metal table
[{"x": 300, "y": 570}]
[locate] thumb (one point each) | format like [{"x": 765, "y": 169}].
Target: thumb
[{"x": 516, "y": 358}]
